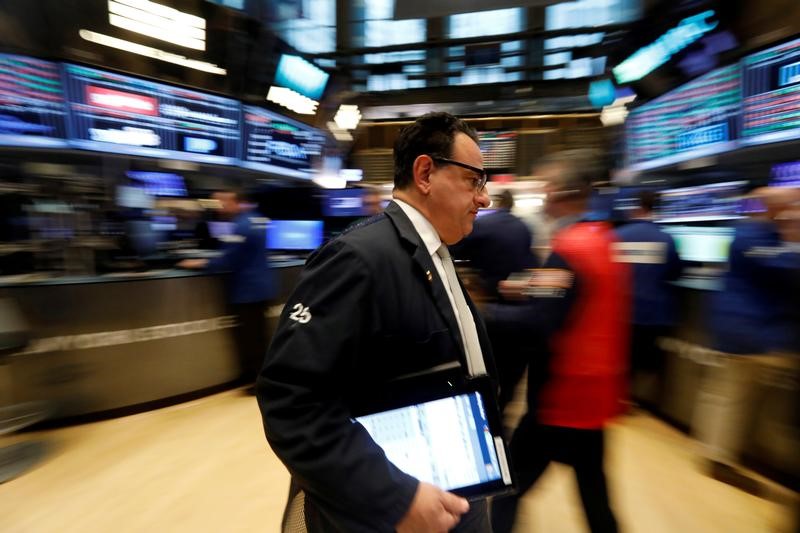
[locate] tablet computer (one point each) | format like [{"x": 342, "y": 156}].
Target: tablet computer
[{"x": 451, "y": 439}]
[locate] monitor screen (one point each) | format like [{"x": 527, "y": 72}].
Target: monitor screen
[
  {"x": 713, "y": 201},
  {"x": 771, "y": 92},
  {"x": 32, "y": 111},
  {"x": 219, "y": 229},
  {"x": 115, "y": 113},
  {"x": 133, "y": 197},
  {"x": 273, "y": 143},
  {"x": 299, "y": 75},
  {"x": 159, "y": 183},
  {"x": 343, "y": 203},
  {"x": 698, "y": 118},
  {"x": 294, "y": 234},
  {"x": 785, "y": 174},
  {"x": 445, "y": 442},
  {"x": 702, "y": 244}
]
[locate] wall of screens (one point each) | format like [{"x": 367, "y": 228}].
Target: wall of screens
[
  {"x": 47, "y": 104},
  {"x": 756, "y": 101}
]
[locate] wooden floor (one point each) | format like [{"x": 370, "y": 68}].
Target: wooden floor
[{"x": 204, "y": 466}]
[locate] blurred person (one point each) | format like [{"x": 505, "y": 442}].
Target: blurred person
[
  {"x": 578, "y": 318},
  {"x": 371, "y": 307},
  {"x": 755, "y": 325},
  {"x": 250, "y": 282},
  {"x": 372, "y": 202},
  {"x": 500, "y": 245},
  {"x": 656, "y": 263}
]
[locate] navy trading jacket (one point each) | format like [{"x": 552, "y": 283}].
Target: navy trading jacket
[
  {"x": 652, "y": 253},
  {"x": 369, "y": 308},
  {"x": 755, "y": 312},
  {"x": 499, "y": 245},
  {"x": 244, "y": 259}
]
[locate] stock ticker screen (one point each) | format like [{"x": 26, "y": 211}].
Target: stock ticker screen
[
  {"x": 698, "y": 118},
  {"x": 276, "y": 144},
  {"x": 116, "y": 113},
  {"x": 32, "y": 111},
  {"x": 771, "y": 92}
]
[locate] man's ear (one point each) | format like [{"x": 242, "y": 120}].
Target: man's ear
[{"x": 422, "y": 168}]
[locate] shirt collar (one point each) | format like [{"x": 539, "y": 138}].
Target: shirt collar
[
  {"x": 422, "y": 225},
  {"x": 567, "y": 220}
]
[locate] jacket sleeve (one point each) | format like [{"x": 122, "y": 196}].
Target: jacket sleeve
[
  {"x": 234, "y": 249},
  {"x": 674, "y": 262},
  {"x": 301, "y": 394},
  {"x": 552, "y": 293}
]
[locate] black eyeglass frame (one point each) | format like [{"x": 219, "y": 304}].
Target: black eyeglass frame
[{"x": 484, "y": 176}]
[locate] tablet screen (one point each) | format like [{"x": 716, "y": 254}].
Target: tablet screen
[{"x": 446, "y": 442}]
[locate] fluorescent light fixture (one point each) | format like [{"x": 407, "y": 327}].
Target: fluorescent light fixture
[
  {"x": 338, "y": 133},
  {"x": 159, "y": 22},
  {"x": 347, "y": 117},
  {"x": 647, "y": 59},
  {"x": 291, "y": 100},
  {"x": 330, "y": 182},
  {"x": 147, "y": 51}
]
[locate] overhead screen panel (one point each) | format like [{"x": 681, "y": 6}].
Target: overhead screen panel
[
  {"x": 698, "y": 118},
  {"x": 115, "y": 113},
  {"x": 771, "y": 92},
  {"x": 276, "y": 144},
  {"x": 32, "y": 111}
]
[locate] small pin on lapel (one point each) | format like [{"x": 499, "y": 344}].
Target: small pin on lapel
[{"x": 430, "y": 276}]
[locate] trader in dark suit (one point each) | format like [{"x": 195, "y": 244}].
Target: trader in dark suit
[
  {"x": 499, "y": 246},
  {"x": 373, "y": 306}
]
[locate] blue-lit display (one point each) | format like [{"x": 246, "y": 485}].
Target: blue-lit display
[
  {"x": 344, "y": 203},
  {"x": 273, "y": 143},
  {"x": 771, "y": 92},
  {"x": 696, "y": 119},
  {"x": 32, "y": 109},
  {"x": 115, "y": 113},
  {"x": 647, "y": 59},
  {"x": 159, "y": 183},
  {"x": 294, "y": 234},
  {"x": 299, "y": 75}
]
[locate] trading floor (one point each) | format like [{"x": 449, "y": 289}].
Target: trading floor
[{"x": 204, "y": 466}]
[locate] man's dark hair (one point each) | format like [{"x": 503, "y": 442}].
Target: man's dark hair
[
  {"x": 505, "y": 200},
  {"x": 648, "y": 200},
  {"x": 580, "y": 169},
  {"x": 432, "y": 134}
]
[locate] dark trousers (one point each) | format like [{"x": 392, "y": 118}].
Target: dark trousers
[
  {"x": 250, "y": 336},
  {"x": 647, "y": 365},
  {"x": 533, "y": 447}
]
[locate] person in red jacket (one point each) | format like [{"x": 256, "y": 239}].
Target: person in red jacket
[{"x": 578, "y": 319}]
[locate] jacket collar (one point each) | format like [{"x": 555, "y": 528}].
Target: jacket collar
[{"x": 426, "y": 270}]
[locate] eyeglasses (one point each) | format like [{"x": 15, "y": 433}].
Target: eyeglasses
[{"x": 477, "y": 183}]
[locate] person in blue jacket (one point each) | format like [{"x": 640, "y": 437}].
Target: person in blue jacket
[
  {"x": 500, "y": 245},
  {"x": 655, "y": 261},
  {"x": 754, "y": 324},
  {"x": 250, "y": 282}
]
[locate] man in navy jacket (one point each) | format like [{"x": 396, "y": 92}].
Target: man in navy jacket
[
  {"x": 250, "y": 282},
  {"x": 656, "y": 263}
]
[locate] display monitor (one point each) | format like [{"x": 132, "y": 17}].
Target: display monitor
[
  {"x": 32, "y": 109},
  {"x": 301, "y": 76},
  {"x": 771, "y": 93},
  {"x": 114, "y": 113},
  {"x": 697, "y": 119},
  {"x": 785, "y": 174},
  {"x": 133, "y": 197},
  {"x": 702, "y": 244},
  {"x": 276, "y": 144},
  {"x": 159, "y": 183},
  {"x": 344, "y": 203},
  {"x": 713, "y": 201},
  {"x": 299, "y": 235}
]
